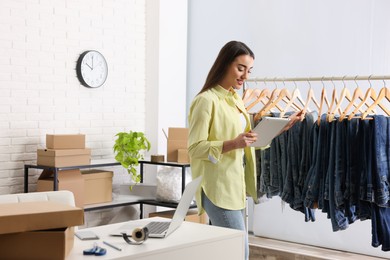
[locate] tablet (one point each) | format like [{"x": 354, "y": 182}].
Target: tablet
[{"x": 267, "y": 129}]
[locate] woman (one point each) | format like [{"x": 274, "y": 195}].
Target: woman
[{"x": 218, "y": 141}]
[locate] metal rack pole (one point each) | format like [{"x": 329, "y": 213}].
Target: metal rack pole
[{"x": 338, "y": 78}]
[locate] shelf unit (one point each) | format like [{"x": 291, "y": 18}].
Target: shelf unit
[{"x": 124, "y": 200}]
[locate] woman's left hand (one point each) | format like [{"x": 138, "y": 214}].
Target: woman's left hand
[{"x": 296, "y": 117}]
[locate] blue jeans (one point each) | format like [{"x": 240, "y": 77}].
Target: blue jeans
[
  {"x": 291, "y": 175},
  {"x": 337, "y": 215},
  {"x": 354, "y": 144},
  {"x": 365, "y": 175},
  {"x": 380, "y": 223},
  {"x": 315, "y": 179},
  {"x": 381, "y": 175},
  {"x": 226, "y": 218}
]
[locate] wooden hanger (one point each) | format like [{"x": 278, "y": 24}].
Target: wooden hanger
[
  {"x": 263, "y": 93},
  {"x": 370, "y": 94},
  {"x": 295, "y": 95},
  {"x": 248, "y": 95},
  {"x": 324, "y": 99},
  {"x": 332, "y": 102},
  {"x": 310, "y": 97},
  {"x": 345, "y": 94},
  {"x": 357, "y": 94},
  {"x": 382, "y": 94},
  {"x": 272, "y": 102}
]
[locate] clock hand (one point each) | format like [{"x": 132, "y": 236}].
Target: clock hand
[
  {"x": 89, "y": 66},
  {"x": 92, "y": 63}
]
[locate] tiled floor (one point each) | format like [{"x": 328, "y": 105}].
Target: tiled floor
[{"x": 270, "y": 249}]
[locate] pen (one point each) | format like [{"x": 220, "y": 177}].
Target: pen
[{"x": 111, "y": 245}]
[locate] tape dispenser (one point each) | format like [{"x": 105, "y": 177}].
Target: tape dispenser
[{"x": 138, "y": 236}]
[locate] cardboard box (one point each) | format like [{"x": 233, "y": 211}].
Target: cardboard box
[
  {"x": 75, "y": 141},
  {"x": 192, "y": 216},
  {"x": 38, "y": 215},
  {"x": 182, "y": 156},
  {"x": 47, "y": 244},
  {"x": 64, "y": 157},
  {"x": 177, "y": 139},
  {"x": 71, "y": 180},
  {"x": 97, "y": 186},
  {"x": 38, "y": 230}
]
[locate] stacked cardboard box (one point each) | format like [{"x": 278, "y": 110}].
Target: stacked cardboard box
[
  {"x": 63, "y": 151},
  {"x": 88, "y": 187},
  {"x": 38, "y": 230},
  {"x": 177, "y": 145},
  {"x": 97, "y": 186}
]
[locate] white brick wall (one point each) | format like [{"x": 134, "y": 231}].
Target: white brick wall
[{"x": 40, "y": 42}]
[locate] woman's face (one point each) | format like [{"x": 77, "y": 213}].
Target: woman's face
[{"x": 238, "y": 72}]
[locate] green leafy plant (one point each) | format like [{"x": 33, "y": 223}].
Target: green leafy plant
[{"x": 128, "y": 149}]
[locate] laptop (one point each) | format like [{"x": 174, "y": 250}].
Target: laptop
[{"x": 161, "y": 229}]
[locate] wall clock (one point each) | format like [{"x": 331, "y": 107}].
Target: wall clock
[{"x": 92, "y": 69}]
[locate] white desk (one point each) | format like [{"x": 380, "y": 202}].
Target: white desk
[{"x": 190, "y": 241}]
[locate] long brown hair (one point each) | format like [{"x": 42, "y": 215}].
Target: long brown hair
[{"x": 226, "y": 56}]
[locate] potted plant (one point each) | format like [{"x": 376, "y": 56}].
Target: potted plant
[{"x": 128, "y": 149}]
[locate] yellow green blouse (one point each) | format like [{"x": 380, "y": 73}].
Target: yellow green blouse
[{"x": 214, "y": 117}]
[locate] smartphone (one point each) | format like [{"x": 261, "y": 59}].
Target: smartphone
[{"x": 86, "y": 235}]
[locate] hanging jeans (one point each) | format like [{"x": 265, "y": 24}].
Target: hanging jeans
[
  {"x": 381, "y": 175},
  {"x": 365, "y": 134},
  {"x": 315, "y": 180},
  {"x": 337, "y": 216},
  {"x": 380, "y": 219},
  {"x": 380, "y": 224}
]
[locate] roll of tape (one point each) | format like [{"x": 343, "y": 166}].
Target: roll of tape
[{"x": 140, "y": 234}]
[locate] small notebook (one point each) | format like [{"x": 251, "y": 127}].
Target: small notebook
[{"x": 267, "y": 129}]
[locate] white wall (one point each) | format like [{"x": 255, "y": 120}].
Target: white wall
[
  {"x": 166, "y": 69},
  {"x": 40, "y": 42},
  {"x": 39, "y": 93},
  {"x": 299, "y": 38}
]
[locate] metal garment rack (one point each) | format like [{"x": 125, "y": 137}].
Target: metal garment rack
[
  {"x": 338, "y": 78},
  {"x": 322, "y": 79}
]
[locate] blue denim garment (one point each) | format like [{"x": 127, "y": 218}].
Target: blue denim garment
[
  {"x": 312, "y": 188},
  {"x": 312, "y": 158},
  {"x": 306, "y": 146},
  {"x": 291, "y": 175},
  {"x": 304, "y": 164},
  {"x": 355, "y": 145},
  {"x": 365, "y": 170},
  {"x": 352, "y": 159},
  {"x": 341, "y": 180},
  {"x": 340, "y": 163},
  {"x": 381, "y": 174},
  {"x": 313, "y": 140},
  {"x": 366, "y": 183},
  {"x": 282, "y": 141},
  {"x": 337, "y": 216},
  {"x": 258, "y": 174},
  {"x": 380, "y": 224},
  {"x": 265, "y": 171},
  {"x": 234, "y": 219},
  {"x": 274, "y": 186}
]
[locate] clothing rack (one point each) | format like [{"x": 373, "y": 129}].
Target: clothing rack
[
  {"x": 338, "y": 78},
  {"x": 308, "y": 79}
]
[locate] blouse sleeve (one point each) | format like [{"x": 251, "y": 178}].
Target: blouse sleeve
[{"x": 200, "y": 118}]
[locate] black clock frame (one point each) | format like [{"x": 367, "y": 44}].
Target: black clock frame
[{"x": 78, "y": 69}]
